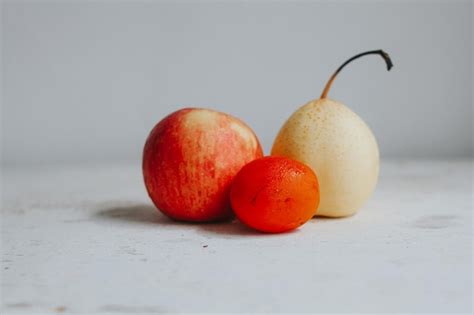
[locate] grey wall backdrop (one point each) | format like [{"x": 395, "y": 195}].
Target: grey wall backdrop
[{"x": 85, "y": 81}]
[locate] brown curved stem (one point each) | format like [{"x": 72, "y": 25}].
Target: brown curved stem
[{"x": 380, "y": 52}]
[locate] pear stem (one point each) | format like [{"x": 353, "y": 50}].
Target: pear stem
[{"x": 380, "y": 52}]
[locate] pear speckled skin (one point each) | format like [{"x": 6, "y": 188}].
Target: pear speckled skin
[{"x": 341, "y": 149}]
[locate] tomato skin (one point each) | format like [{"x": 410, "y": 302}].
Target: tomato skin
[{"x": 275, "y": 194}]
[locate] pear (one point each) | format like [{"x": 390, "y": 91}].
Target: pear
[{"x": 339, "y": 147}]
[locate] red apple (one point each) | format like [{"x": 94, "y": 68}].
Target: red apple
[{"x": 190, "y": 159}]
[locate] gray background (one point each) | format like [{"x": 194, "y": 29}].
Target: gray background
[{"x": 84, "y": 82}]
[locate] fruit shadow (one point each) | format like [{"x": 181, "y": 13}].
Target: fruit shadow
[
  {"x": 133, "y": 214},
  {"x": 145, "y": 214}
]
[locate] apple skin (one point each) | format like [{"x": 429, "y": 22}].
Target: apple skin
[{"x": 190, "y": 159}]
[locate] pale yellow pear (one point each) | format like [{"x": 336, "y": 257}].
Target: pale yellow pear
[{"x": 338, "y": 145}]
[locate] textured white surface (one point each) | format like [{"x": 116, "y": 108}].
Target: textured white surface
[{"x": 86, "y": 239}]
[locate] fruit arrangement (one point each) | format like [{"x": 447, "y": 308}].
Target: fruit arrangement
[{"x": 202, "y": 165}]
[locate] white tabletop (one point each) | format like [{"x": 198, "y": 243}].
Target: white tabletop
[{"x": 88, "y": 240}]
